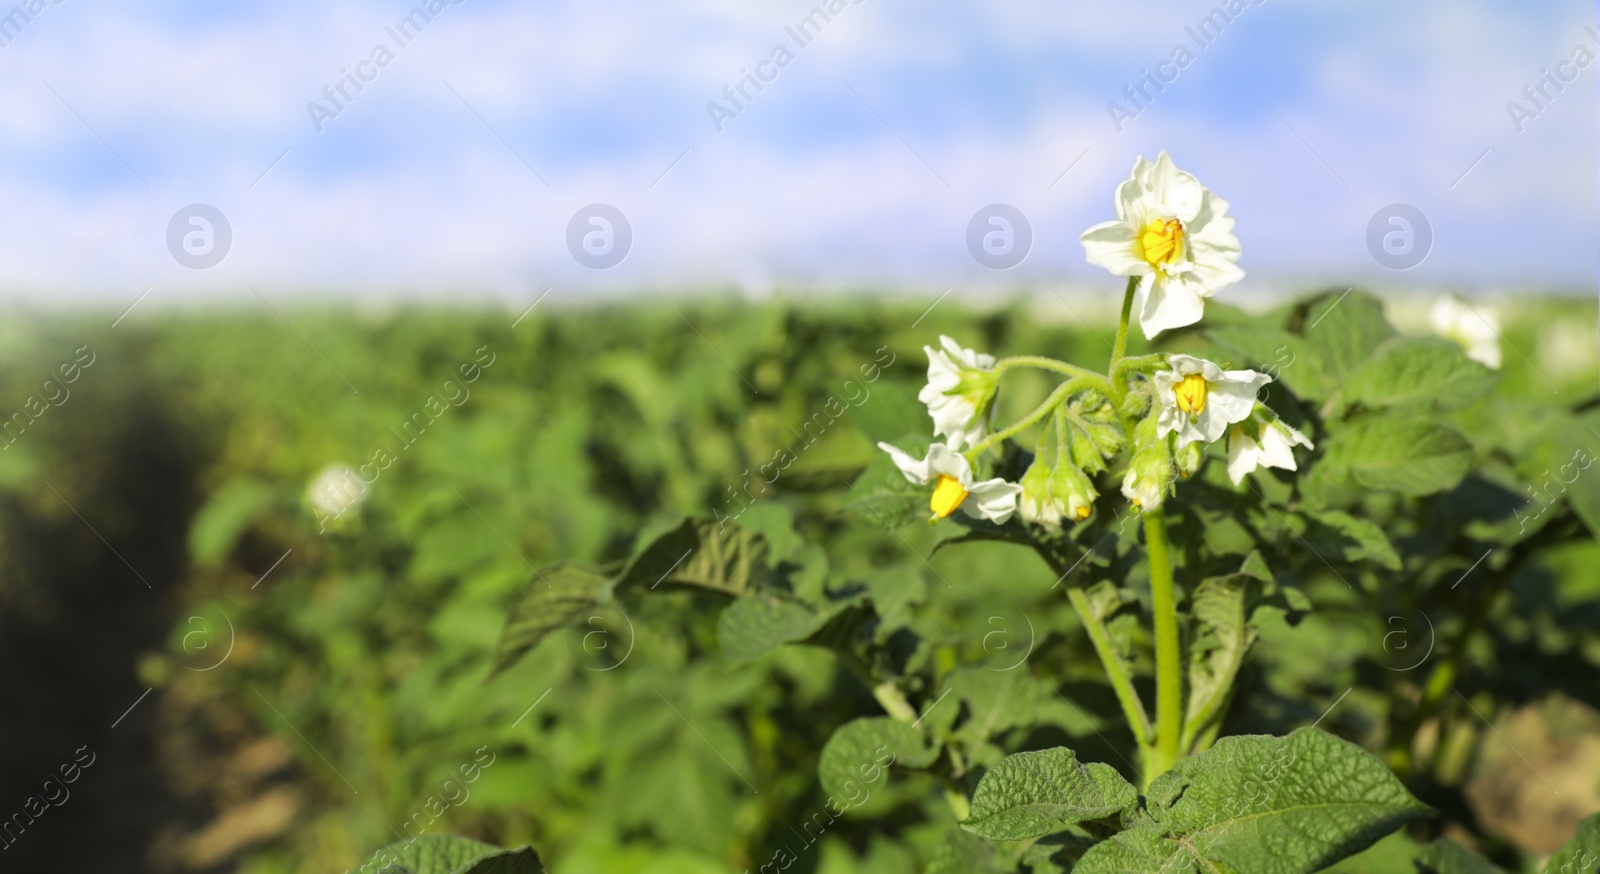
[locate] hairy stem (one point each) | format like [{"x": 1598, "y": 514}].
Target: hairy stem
[
  {"x": 1169, "y": 668},
  {"x": 1122, "y": 325},
  {"x": 1039, "y": 412},
  {"x": 1042, "y": 363},
  {"x": 1116, "y": 671}
]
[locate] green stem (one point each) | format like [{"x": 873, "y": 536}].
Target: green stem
[
  {"x": 1042, "y": 363},
  {"x": 1039, "y": 412},
  {"x": 1169, "y": 669},
  {"x": 1116, "y": 671},
  {"x": 1122, "y": 325},
  {"x": 894, "y": 702}
]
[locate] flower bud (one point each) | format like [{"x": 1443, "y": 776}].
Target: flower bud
[
  {"x": 1149, "y": 476},
  {"x": 1189, "y": 459},
  {"x": 1073, "y": 492},
  {"x": 1038, "y": 505}
]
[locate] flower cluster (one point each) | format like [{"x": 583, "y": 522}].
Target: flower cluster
[{"x": 1174, "y": 240}]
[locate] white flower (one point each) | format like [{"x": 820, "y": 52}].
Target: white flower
[
  {"x": 1174, "y": 233},
  {"x": 1476, "y": 330},
  {"x": 1199, "y": 400},
  {"x": 993, "y": 499},
  {"x": 336, "y": 489},
  {"x": 959, "y": 393},
  {"x": 1262, "y": 442}
]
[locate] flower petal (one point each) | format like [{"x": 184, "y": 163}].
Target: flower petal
[
  {"x": 993, "y": 499},
  {"x": 1179, "y": 193},
  {"x": 1164, "y": 304},
  {"x": 944, "y": 460},
  {"x": 1111, "y": 245},
  {"x": 1243, "y": 456},
  {"x": 914, "y": 469}
]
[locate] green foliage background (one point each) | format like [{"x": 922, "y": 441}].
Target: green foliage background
[{"x": 652, "y": 747}]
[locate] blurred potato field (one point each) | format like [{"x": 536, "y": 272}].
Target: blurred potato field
[{"x": 316, "y": 677}]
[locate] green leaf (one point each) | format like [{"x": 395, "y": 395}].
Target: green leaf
[
  {"x": 1583, "y": 484},
  {"x": 1370, "y": 541},
  {"x": 762, "y": 621},
  {"x": 895, "y": 591},
  {"x": 1343, "y": 329},
  {"x": 701, "y": 553},
  {"x": 1286, "y": 357},
  {"x": 442, "y": 854},
  {"x": 1057, "y": 853},
  {"x": 890, "y": 412},
  {"x": 553, "y": 598},
  {"x": 883, "y": 496},
  {"x": 1027, "y": 795},
  {"x": 862, "y": 750},
  {"x": 1221, "y": 608},
  {"x": 1414, "y": 372},
  {"x": 961, "y": 853},
  {"x": 1138, "y": 851},
  {"x": 774, "y": 523},
  {"x": 1448, "y": 857},
  {"x": 1264, "y": 805},
  {"x": 225, "y": 518},
  {"x": 1406, "y": 455},
  {"x": 996, "y": 699},
  {"x": 1582, "y": 852}
]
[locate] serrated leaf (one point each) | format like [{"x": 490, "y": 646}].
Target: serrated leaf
[
  {"x": 443, "y": 854},
  {"x": 1448, "y": 857},
  {"x": 1392, "y": 453},
  {"x": 861, "y": 751},
  {"x": 701, "y": 553},
  {"x": 553, "y": 598},
  {"x": 1265, "y": 805},
  {"x": 1027, "y": 795},
  {"x": 1414, "y": 372},
  {"x": 1582, "y": 853},
  {"x": 762, "y": 621},
  {"x": 1370, "y": 541}
]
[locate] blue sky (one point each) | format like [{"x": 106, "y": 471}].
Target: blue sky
[{"x": 456, "y": 169}]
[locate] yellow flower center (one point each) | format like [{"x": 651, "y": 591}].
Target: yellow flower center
[
  {"x": 1191, "y": 394},
  {"x": 948, "y": 494},
  {"x": 1161, "y": 241},
  {"x": 1082, "y": 514}
]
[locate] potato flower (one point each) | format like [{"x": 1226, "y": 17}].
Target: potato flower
[
  {"x": 1175, "y": 234},
  {"x": 1475, "y": 330},
  {"x": 1263, "y": 440},
  {"x": 335, "y": 489},
  {"x": 1199, "y": 400},
  {"x": 959, "y": 393},
  {"x": 951, "y": 474}
]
